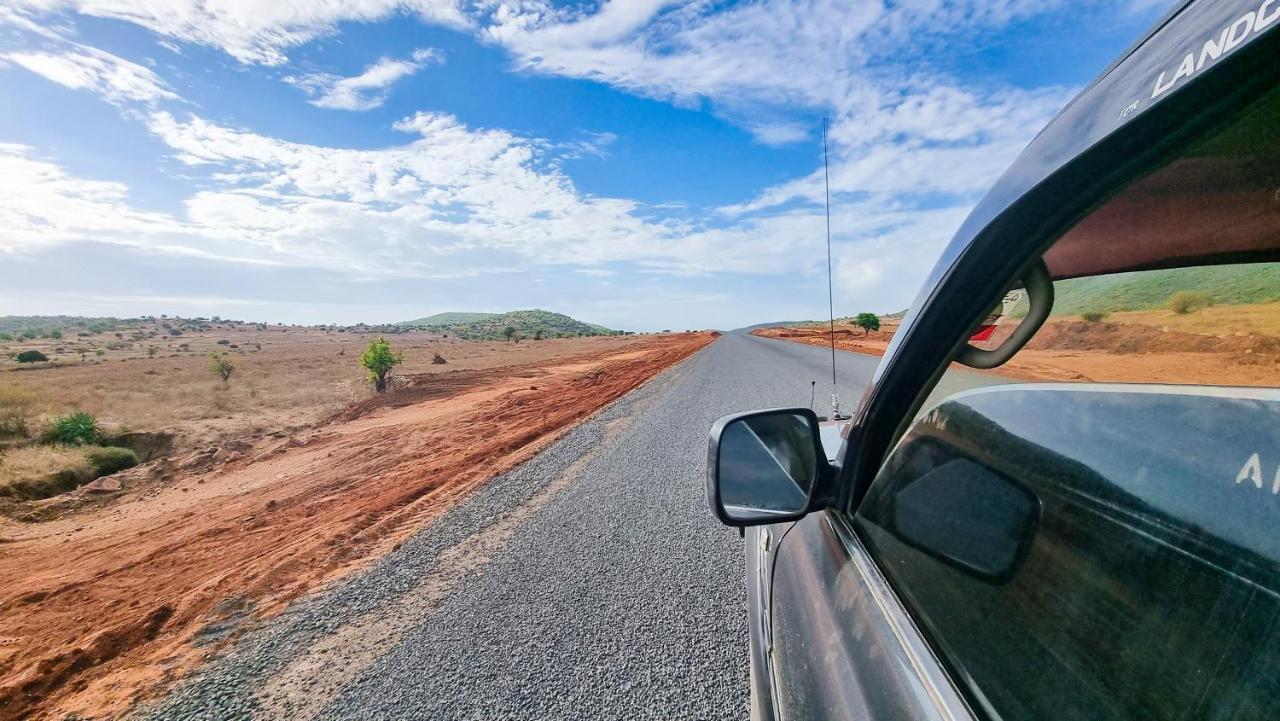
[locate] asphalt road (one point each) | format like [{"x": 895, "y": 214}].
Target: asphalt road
[{"x": 591, "y": 582}]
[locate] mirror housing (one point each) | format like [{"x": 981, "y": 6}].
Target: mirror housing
[{"x": 766, "y": 466}]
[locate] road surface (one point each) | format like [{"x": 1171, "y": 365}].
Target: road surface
[{"x": 590, "y": 582}]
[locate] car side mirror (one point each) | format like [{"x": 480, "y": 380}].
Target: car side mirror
[{"x": 765, "y": 466}]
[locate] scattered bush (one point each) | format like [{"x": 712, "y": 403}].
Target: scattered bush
[
  {"x": 5, "y": 337},
  {"x": 32, "y": 356},
  {"x": 74, "y": 429},
  {"x": 378, "y": 360},
  {"x": 222, "y": 366},
  {"x": 1186, "y": 301},
  {"x": 1094, "y": 316},
  {"x": 111, "y": 459}
]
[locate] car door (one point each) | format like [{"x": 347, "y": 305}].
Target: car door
[{"x": 1051, "y": 546}]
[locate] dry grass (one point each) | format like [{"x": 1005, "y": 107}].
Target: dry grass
[
  {"x": 17, "y": 411},
  {"x": 283, "y": 377},
  {"x": 31, "y": 471}
]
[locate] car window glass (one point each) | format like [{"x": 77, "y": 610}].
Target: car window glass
[{"x": 1078, "y": 552}]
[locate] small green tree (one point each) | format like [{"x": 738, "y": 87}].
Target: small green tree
[
  {"x": 537, "y": 334},
  {"x": 1094, "y": 316},
  {"x": 867, "y": 322},
  {"x": 31, "y": 356},
  {"x": 151, "y": 351},
  {"x": 509, "y": 333},
  {"x": 82, "y": 351},
  {"x": 378, "y": 360},
  {"x": 220, "y": 364}
]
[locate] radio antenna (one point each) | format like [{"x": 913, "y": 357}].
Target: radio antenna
[{"x": 831, "y": 303}]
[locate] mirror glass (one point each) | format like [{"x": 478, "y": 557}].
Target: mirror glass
[
  {"x": 767, "y": 465},
  {"x": 967, "y": 515},
  {"x": 1003, "y": 319}
]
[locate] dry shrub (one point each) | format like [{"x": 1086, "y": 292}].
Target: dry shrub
[
  {"x": 1094, "y": 316},
  {"x": 1186, "y": 301},
  {"x": 437, "y": 359}
]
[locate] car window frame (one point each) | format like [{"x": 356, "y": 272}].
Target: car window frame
[{"x": 971, "y": 278}]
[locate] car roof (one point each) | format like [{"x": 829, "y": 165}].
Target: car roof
[{"x": 1138, "y": 81}]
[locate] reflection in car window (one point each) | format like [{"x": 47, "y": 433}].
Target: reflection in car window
[{"x": 1136, "y": 583}]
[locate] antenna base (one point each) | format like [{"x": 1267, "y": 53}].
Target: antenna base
[{"x": 836, "y": 415}]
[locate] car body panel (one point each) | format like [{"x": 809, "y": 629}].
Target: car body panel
[{"x": 844, "y": 648}]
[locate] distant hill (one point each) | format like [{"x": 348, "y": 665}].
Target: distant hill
[
  {"x": 774, "y": 324},
  {"x": 449, "y": 319},
  {"x": 490, "y": 326},
  {"x": 1149, "y": 290}
]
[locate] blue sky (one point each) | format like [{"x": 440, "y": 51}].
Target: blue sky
[{"x": 644, "y": 164}]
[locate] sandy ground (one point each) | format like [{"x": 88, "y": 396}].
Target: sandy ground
[
  {"x": 284, "y": 376},
  {"x": 1151, "y": 347},
  {"x": 104, "y": 606}
]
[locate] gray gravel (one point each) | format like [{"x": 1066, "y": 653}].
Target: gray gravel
[{"x": 601, "y": 591}]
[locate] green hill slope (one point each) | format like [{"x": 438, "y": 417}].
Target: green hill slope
[
  {"x": 490, "y": 326},
  {"x": 1148, "y": 290},
  {"x": 449, "y": 319}
]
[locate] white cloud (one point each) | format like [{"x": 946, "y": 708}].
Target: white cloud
[
  {"x": 367, "y": 90},
  {"x": 117, "y": 80},
  {"x": 454, "y": 201},
  {"x": 780, "y": 133},
  {"x": 249, "y": 31}
]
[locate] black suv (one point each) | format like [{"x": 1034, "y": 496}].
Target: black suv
[{"x": 980, "y": 548}]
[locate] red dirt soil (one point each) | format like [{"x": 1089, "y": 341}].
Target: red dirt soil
[
  {"x": 102, "y": 609},
  {"x": 1100, "y": 352}
]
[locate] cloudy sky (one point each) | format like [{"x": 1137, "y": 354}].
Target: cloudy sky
[{"x": 644, "y": 164}]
